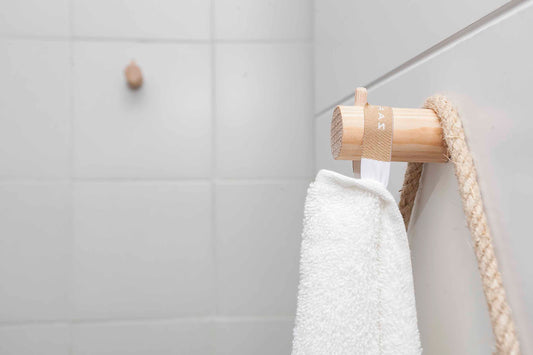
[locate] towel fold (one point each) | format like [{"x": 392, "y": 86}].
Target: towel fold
[{"x": 356, "y": 292}]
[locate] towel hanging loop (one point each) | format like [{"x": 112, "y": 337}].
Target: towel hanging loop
[{"x": 361, "y": 99}]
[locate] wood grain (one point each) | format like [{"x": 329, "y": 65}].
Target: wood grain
[{"x": 417, "y": 135}]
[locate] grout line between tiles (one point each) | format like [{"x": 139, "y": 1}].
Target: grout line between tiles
[
  {"x": 211, "y": 40},
  {"x": 143, "y": 180},
  {"x": 214, "y": 249},
  {"x": 48, "y": 323},
  {"x": 115, "y": 321},
  {"x": 33, "y": 180},
  {"x": 313, "y": 83},
  {"x": 18, "y": 37},
  {"x": 71, "y": 81},
  {"x": 250, "y": 180},
  {"x": 207, "y": 41},
  {"x": 487, "y": 21},
  {"x": 262, "y": 181}
]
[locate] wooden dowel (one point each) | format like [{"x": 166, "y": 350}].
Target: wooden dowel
[
  {"x": 134, "y": 76},
  {"x": 417, "y": 135}
]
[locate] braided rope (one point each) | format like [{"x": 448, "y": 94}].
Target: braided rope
[
  {"x": 411, "y": 181},
  {"x": 500, "y": 313}
]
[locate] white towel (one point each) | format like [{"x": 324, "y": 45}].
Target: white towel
[{"x": 356, "y": 292}]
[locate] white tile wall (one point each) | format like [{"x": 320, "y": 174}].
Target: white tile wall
[
  {"x": 263, "y": 19},
  {"x": 452, "y": 315},
  {"x": 34, "y": 18},
  {"x": 266, "y": 337},
  {"x": 261, "y": 223},
  {"x": 358, "y": 41},
  {"x": 167, "y": 220},
  {"x": 34, "y": 109},
  {"x": 126, "y": 216},
  {"x": 166, "y": 19},
  {"x": 142, "y": 250},
  {"x": 49, "y": 339},
  {"x": 162, "y": 130},
  {"x": 144, "y": 337},
  {"x": 35, "y": 251},
  {"x": 260, "y": 134}
]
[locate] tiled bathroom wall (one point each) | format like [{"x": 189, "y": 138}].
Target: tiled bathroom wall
[
  {"x": 160, "y": 221},
  {"x": 478, "y": 53},
  {"x": 167, "y": 220}
]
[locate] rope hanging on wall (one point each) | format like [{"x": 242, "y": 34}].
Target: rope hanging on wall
[{"x": 500, "y": 313}]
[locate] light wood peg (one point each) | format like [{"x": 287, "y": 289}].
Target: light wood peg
[
  {"x": 417, "y": 135},
  {"x": 134, "y": 76}
]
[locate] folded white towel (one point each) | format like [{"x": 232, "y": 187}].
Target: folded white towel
[{"x": 356, "y": 292}]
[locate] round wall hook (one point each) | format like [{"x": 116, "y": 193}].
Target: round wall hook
[{"x": 134, "y": 75}]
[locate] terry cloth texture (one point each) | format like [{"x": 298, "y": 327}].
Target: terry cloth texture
[{"x": 356, "y": 292}]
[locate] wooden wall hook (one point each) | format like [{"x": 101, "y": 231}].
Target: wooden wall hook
[
  {"x": 134, "y": 75},
  {"x": 417, "y": 135}
]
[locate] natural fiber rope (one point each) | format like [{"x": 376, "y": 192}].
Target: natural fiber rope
[
  {"x": 411, "y": 181},
  {"x": 465, "y": 171}
]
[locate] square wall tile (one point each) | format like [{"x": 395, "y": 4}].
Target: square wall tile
[
  {"x": 34, "y": 17},
  {"x": 142, "y": 250},
  {"x": 171, "y": 19},
  {"x": 264, "y": 117},
  {"x": 35, "y": 251},
  {"x": 44, "y": 339},
  {"x": 254, "y": 337},
  {"x": 141, "y": 338},
  {"x": 162, "y": 130},
  {"x": 258, "y": 230},
  {"x": 263, "y": 19},
  {"x": 350, "y": 46},
  {"x": 34, "y": 106}
]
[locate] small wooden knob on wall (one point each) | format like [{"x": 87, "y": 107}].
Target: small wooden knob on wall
[{"x": 134, "y": 75}]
